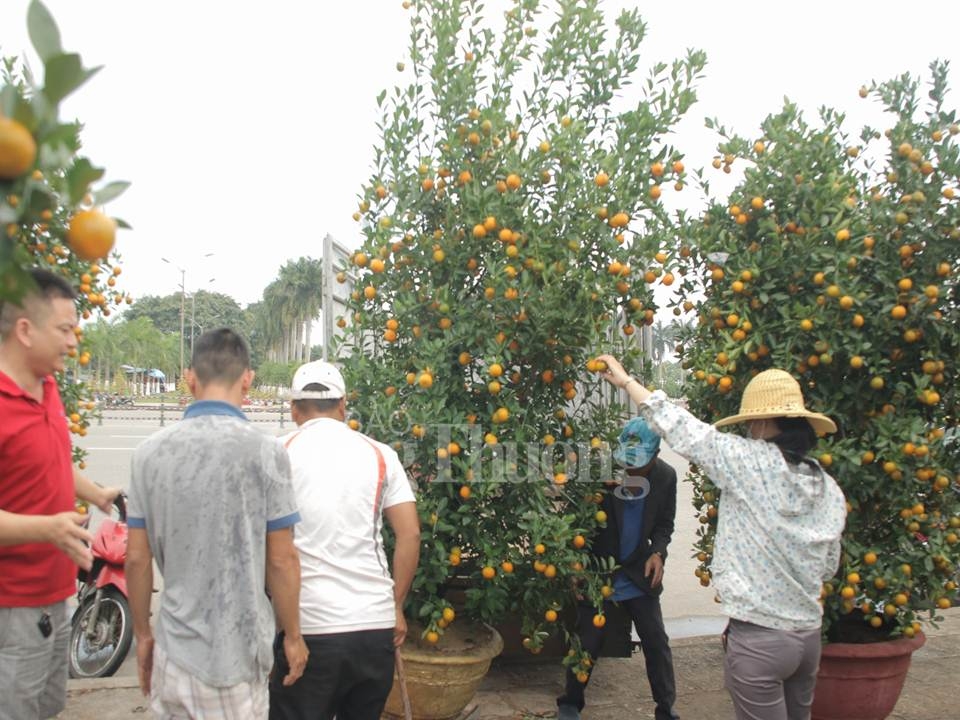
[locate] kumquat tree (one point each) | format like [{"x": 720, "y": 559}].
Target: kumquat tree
[
  {"x": 48, "y": 207},
  {"x": 836, "y": 258},
  {"x": 512, "y": 228}
]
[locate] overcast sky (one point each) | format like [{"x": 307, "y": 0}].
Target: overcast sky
[{"x": 246, "y": 128}]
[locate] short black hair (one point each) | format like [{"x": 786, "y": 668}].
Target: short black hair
[
  {"x": 220, "y": 356},
  {"x": 312, "y": 406},
  {"x": 50, "y": 285},
  {"x": 44, "y": 285}
]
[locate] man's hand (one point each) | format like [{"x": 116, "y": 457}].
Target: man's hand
[
  {"x": 295, "y": 650},
  {"x": 67, "y": 530},
  {"x": 138, "y": 568},
  {"x": 653, "y": 569},
  {"x": 283, "y": 585},
  {"x": 145, "y": 663},
  {"x": 107, "y": 496},
  {"x": 400, "y": 628},
  {"x": 88, "y": 490}
]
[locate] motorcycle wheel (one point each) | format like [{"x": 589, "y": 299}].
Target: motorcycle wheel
[{"x": 104, "y": 653}]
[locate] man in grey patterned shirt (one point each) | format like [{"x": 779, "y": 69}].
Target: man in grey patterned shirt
[{"x": 211, "y": 500}]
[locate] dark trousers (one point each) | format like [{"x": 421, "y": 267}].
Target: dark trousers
[
  {"x": 648, "y": 620},
  {"x": 348, "y": 675}
]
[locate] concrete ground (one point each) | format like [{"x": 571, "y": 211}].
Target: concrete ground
[{"x": 618, "y": 688}]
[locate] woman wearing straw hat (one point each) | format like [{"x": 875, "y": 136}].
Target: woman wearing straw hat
[{"x": 778, "y": 534}]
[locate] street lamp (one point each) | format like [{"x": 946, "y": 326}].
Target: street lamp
[
  {"x": 193, "y": 313},
  {"x": 183, "y": 294},
  {"x": 183, "y": 276}
]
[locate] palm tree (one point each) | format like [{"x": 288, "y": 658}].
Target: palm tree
[
  {"x": 290, "y": 305},
  {"x": 268, "y": 321},
  {"x": 135, "y": 342},
  {"x": 659, "y": 341},
  {"x": 664, "y": 337},
  {"x": 305, "y": 284},
  {"x": 103, "y": 341}
]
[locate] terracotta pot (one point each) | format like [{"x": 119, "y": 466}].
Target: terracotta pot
[
  {"x": 442, "y": 680},
  {"x": 862, "y": 681}
]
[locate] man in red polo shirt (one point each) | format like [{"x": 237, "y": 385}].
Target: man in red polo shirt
[{"x": 42, "y": 538}]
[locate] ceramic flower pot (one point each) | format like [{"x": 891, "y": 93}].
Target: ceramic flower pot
[
  {"x": 442, "y": 679},
  {"x": 862, "y": 681}
]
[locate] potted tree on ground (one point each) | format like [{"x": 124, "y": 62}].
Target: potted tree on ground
[
  {"x": 836, "y": 258},
  {"x": 47, "y": 200},
  {"x": 507, "y": 234}
]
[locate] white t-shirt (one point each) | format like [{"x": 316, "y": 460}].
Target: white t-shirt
[{"x": 346, "y": 584}]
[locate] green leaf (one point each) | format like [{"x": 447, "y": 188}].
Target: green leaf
[
  {"x": 110, "y": 191},
  {"x": 122, "y": 224},
  {"x": 16, "y": 280},
  {"x": 15, "y": 106},
  {"x": 64, "y": 137},
  {"x": 64, "y": 74},
  {"x": 79, "y": 177},
  {"x": 426, "y": 609},
  {"x": 43, "y": 30},
  {"x": 37, "y": 197},
  {"x": 8, "y": 100}
]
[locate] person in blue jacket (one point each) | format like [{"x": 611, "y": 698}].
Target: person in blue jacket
[{"x": 640, "y": 512}]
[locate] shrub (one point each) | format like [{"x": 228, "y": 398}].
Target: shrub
[
  {"x": 508, "y": 235},
  {"x": 836, "y": 259},
  {"x": 47, "y": 204}
]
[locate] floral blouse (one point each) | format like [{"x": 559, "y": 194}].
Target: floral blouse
[{"x": 779, "y": 525}]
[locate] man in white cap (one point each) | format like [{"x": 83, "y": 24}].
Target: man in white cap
[{"x": 351, "y": 609}]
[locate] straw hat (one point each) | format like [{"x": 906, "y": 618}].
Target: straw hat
[{"x": 775, "y": 393}]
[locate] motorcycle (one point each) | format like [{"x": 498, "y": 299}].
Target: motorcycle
[
  {"x": 118, "y": 401},
  {"x": 101, "y": 630}
]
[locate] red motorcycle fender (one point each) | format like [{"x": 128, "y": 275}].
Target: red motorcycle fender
[
  {"x": 111, "y": 575},
  {"x": 110, "y": 542}
]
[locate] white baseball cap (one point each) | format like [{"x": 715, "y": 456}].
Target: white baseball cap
[{"x": 321, "y": 373}]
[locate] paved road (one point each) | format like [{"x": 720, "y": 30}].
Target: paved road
[
  {"x": 688, "y": 608},
  {"x": 110, "y": 444}
]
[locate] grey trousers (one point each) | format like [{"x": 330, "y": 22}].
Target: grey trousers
[
  {"x": 33, "y": 668},
  {"x": 769, "y": 673}
]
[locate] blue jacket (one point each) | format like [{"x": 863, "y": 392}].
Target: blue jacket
[{"x": 658, "y": 519}]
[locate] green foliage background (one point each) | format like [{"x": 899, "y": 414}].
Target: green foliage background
[{"x": 836, "y": 258}]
